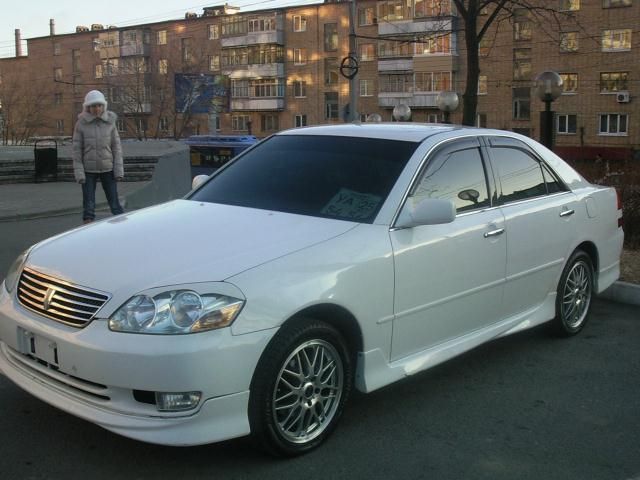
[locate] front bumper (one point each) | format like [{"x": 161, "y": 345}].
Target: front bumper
[{"x": 94, "y": 372}]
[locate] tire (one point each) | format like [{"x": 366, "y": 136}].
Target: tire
[
  {"x": 574, "y": 295},
  {"x": 300, "y": 387}
]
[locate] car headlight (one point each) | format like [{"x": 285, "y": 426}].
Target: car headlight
[
  {"x": 13, "y": 274},
  {"x": 175, "y": 312}
]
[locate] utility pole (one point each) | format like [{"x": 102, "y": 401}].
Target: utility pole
[{"x": 353, "y": 92}]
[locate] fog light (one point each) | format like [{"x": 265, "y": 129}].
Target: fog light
[{"x": 177, "y": 401}]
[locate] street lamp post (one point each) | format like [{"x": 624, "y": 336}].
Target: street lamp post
[
  {"x": 548, "y": 87},
  {"x": 447, "y": 102}
]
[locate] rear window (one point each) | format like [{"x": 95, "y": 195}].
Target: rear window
[{"x": 345, "y": 178}]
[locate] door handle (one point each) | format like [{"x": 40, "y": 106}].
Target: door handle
[
  {"x": 567, "y": 213},
  {"x": 494, "y": 233}
]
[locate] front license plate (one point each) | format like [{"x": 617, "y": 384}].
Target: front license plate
[{"x": 39, "y": 347}]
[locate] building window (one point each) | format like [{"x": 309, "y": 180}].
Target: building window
[
  {"x": 613, "y": 124},
  {"x": 263, "y": 54},
  {"x": 161, "y": 37},
  {"x": 214, "y": 63},
  {"x": 616, "y": 40},
  {"x": 432, "y": 8},
  {"x": 612, "y": 82},
  {"x": 482, "y": 85},
  {"x": 390, "y": 10},
  {"x": 240, "y": 123},
  {"x": 330, "y": 37},
  {"x": 269, "y": 123},
  {"x": 299, "y": 89},
  {"x": 60, "y": 126},
  {"x": 187, "y": 52},
  {"x": 394, "y": 48},
  {"x": 235, "y": 56},
  {"x": 75, "y": 60},
  {"x": 522, "y": 30},
  {"x": 485, "y": 45},
  {"x": 57, "y": 99},
  {"x": 366, "y": 16},
  {"x": 110, "y": 67},
  {"x": 367, "y": 52},
  {"x": 615, "y": 3},
  {"x": 366, "y": 88},
  {"x": 262, "y": 25},
  {"x": 121, "y": 125},
  {"x": 239, "y": 88},
  {"x": 569, "y": 5},
  {"x": 300, "y": 120},
  {"x": 522, "y": 64},
  {"x": 57, "y": 73},
  {"x": 233, "y": 25},
  {"x": 267, "y": 87},
  {"x": 481, "y": 120},
  {"x": 299, "y": 56},
  {"x": 566, "y": 124},
  {"x": 331, "y": 71},
  {"x": 98, "y": 71},
  {"x": 434, "y": 44},
  {"x": 331, "y": 105},
  {"x": 569, "y": 83},
  {"x": 430, "y": 81},
  {"x": 163, "y": 66},
  {"x": 521, "y": 103},
  {"x": 432, "y": 118},
  {"x": 163, "y": 124},
  {"x": 569, "y": 42},
  {"x": 214, "y": 32},
  {"x": 299, "y": 23},
  {"x": 397, "y": 83},
  {"x": 56, "y": 48}
]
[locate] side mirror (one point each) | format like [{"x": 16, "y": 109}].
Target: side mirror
[
  {"x": 198, "y": 180},
  {"x": 429, "y": 211}
]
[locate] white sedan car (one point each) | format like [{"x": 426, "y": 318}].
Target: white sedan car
[{"x": 320, "y": 260}]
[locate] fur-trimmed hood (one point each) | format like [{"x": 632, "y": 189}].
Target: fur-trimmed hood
[{"x": 107, "y": 116}]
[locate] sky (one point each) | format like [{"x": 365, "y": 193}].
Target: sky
[{"x": 32, "y": 16}]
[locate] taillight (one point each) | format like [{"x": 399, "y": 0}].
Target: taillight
[{"x": 620, "y": 220}]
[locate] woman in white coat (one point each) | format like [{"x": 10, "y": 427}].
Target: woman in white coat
[{"x": 97, "y": 154}]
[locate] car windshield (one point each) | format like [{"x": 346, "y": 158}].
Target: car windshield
[{"x": 346, "y": 178}]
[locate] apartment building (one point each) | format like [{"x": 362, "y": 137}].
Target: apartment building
[{"x": 258, "y": 72}]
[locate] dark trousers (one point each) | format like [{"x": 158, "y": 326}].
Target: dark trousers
[{"x": 109, "y": 185}]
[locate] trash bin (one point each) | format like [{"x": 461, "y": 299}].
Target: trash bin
[{"x": 45, "y": 153}]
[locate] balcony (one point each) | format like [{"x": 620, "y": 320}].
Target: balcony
[
  {"x": 412, "y": 99},
  {"x": 411, "y": 26},
  {"x": 237, "y": 72},
  {"x": 395, "y": 65},
  {"x": 257, "y": 104},
  {"x": 255, "y": 38}
]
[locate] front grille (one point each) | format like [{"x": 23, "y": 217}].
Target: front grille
[{"x": 59, "y": 300}]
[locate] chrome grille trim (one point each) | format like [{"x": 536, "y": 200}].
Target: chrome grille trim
[{"x": 59, "y": 300}]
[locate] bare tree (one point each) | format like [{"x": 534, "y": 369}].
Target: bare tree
[
  {"x": 477, "y": 17},
  {"x": 24, "y": 106}
]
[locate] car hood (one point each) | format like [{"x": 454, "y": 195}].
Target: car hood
[{"x": 175, "y": 243}]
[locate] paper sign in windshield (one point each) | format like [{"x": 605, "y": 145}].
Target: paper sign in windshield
[{"x": 352, "y": 205}]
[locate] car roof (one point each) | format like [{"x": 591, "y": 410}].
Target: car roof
[{"x": 413, "y": 132}]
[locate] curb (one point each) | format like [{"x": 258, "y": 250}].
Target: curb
[{"x": 622, "y": 292}]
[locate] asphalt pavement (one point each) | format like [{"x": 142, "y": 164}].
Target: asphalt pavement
[{"x": 25, "y": 201}]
